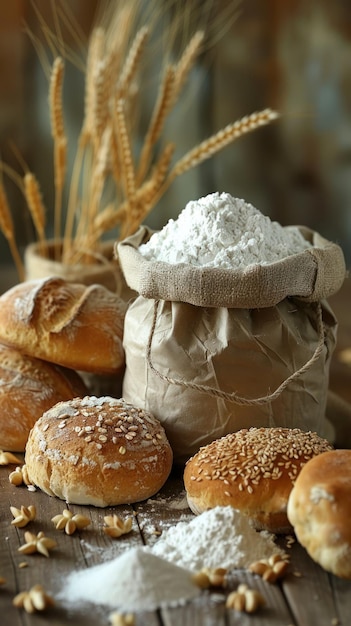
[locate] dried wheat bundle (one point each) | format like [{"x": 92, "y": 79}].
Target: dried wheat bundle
[{"x": 118, "y": 176}]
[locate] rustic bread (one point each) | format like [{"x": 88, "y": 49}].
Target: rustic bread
[
  {"x": 98, "y": 451},
  {"x": 319, "y": 509},
  {"x": 28, "y": 387},
  {"x": 252, "y": 470},
  {"x": 73, "y": 325}
]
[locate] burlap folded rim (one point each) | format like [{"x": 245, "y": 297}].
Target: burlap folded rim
[{"x": 312, "y": 275}]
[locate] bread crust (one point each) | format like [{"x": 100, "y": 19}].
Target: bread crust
[
  {"x": 252, "y": 470},
  {"x": 73, "y": 325},
  {"x": 28, "y": 387},
  {"x": 319, "y": 509},
  {"x": 98, "y": 451}
]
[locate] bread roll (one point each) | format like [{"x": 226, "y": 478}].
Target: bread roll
[
  {"x": 252, "y": 470},
  {"x": 319, "y": 509},
  {"x": 73, "y": 325},
  {"x": 28, "y": 387},
  {"x": 98, "y": 451}
]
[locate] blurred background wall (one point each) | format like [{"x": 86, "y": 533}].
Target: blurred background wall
[{"x": 291, "y": 55}]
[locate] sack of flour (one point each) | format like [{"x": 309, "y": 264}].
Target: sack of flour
[{"x": 231, "y": 327}]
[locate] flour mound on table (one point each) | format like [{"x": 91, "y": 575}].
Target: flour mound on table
[
  {"x": 221, "y": 231},
  {"x": 220, "y": 537},
  {"x": 137, "y": 580}
]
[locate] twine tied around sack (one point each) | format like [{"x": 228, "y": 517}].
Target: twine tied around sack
[{"x": 234, "y": 396}]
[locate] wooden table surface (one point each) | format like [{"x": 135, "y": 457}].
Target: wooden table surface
[{"x": 306, "y": 596}]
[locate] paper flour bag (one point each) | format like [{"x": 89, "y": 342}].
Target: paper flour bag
[{"x": 234, "y": 329}]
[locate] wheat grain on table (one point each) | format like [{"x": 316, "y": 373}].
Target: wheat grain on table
[{"x": 307, "y": 595}]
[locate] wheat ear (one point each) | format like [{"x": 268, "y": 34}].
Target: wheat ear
[
  {"x": 35, "y": 204},
  {"x": 161, "y": 110},
  {"x": 7, "y": 228},
  {"x": 96, "y": 184},
  {"x": 186, "y": 62},
  {"x": 217, "y": 142},
  {"x": 95, "y": 54},
  {"x": 124, "y": 151},
  {"x": 55, "y": 98},
  {"x": 60, "y": 141},
  {"x": 132, "y": 61},
  {"x": 106, "y": 220},
  {"x": 148, "y": 194}
]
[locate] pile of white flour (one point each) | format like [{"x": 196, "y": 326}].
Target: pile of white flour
[
  {"x": 221, "y": 231},
  {"x": 220, "y": 537},
  {"x": 137, "y": 580},
  {"x": 144, "y": 579}
]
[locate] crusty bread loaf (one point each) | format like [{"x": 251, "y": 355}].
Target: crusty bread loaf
[
  {"x": 319, "y": 509},
  {"x": 98, "y": 451},
  {"x": 28, "y": 387},
  {"x": 77, "y": 326},
  {"x": 252, "y": 470}
]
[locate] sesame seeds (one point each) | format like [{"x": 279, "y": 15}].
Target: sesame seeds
[
  {"x": 104, "y": 421},
  {"x": 248, "y": 456}
]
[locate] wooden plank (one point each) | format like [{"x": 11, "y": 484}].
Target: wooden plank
[
  {"x": 341, "y": 594},
  {"x": 313, "y": 597},
  {"x": 83, "y": 549},
  {"x": 309, "y": 594}
]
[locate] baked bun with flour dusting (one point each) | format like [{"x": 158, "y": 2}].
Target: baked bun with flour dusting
[
  {"x": 73, "y": 325},
  {"x": 28, "y": 387},
  {"x": 252, "y": 470},
  {"x": 98, "y": 451},
  {"x": 319, "y": 509}
]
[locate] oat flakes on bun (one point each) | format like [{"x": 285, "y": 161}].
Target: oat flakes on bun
[
  {"x": 252, "y": 470},
  {"x": 98, "y": 451}
]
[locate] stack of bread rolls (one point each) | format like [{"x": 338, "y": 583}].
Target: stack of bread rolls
[{"x": 50, "y": 330}]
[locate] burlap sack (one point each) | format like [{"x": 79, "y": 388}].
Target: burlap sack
[
  {"x": 105, "y": 271},
  {"x": 210, "y": 351}
]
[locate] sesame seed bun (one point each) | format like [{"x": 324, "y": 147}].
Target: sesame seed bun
[
  {"x": 319, "y": 510},
  {"x": 98, "y": 451},
  {"x": 252, "y": 470}
]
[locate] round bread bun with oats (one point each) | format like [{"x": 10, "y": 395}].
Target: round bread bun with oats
[
  {"x": 252, "y": 470},
  {"x": 319, "y": 510},
  {"x": 28, "y": 387},
  {"x": 73, "y": 325},
  {"x": 98, "y": 451}
]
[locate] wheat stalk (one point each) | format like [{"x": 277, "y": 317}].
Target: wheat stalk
[
  {"x": 186, "y": 62},
  {"x": 124, "y": 151},
  {"x": 149, "y": 191},
  {"x": 132, "y": 61},
  {"x": 55, "y": 98},
  {"x": 108, "y": 219},
  {"x": 222, "y": 138},
  {"x": 35, "y": 204},
  {"x": 95, "y": 53},
  {"x": 96, "y": 186},
  {"x": 100, "y": 98},
  {"x": 161, "y": 110},
  {"x": 7, "y": 228},
  {"x": 60, "y": 141}
]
